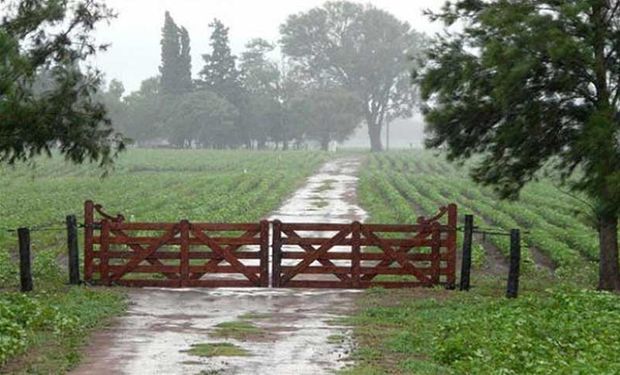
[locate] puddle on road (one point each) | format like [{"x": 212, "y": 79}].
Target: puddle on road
[{"x": 161, "y": 325}]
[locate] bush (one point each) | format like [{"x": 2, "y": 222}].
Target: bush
[{"x": 553, "y": 332}]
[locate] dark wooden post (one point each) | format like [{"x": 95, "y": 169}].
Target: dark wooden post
[
  {"x": 89, "y": 222},
  {"x": 467, "y": 243},
  {"x": 104, "y": 248},
  {"x": 25, "y": 269},
  {"x": 72, "y": 245},
  {"x": 184, "y": 229},
  {"x": 515, "y": 261},
  {"x": 436, "y": 253},
  {"x": 356, "y": 263},
  {"x": 264, "y": 253},
  {"x": 276, "y": 256}
]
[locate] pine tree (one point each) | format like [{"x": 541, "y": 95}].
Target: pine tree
[
  {"x": 176, "y": 62},
  {"x": 220, "y": 74}
]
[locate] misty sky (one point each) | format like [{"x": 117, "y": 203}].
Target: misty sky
[{"x": 135, "y": 34}]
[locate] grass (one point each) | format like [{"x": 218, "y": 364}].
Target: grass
[
  {"x": 43, "y": 332},
  {"x": 219, "y": 349},
  {"x": 254, "y": 316},
  {"x": 239, "y": 330},
  {"x": 562, "y": 329}
]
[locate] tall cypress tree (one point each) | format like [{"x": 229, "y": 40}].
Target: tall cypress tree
[
  {"x": 176, "y": 63},
  {"x": 185, "y": 63}
]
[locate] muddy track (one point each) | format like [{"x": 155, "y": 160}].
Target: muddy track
[{"x": 295, "y": 329}]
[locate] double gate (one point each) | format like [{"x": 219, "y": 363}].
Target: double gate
[{"x": 186, "y": 254}]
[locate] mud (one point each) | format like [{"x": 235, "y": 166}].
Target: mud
[{"x": 162, "y": 324}]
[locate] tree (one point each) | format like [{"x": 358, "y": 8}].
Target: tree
[
  {"x": 115, "y": 105},
  {"x": 528, "y": 84},
  {"x": 145, "y": 109},
  {"x": 260, "y": 77},
  {"x": 201, "y": 118},
  {"x": 366, "y": 50},
  {"x": 53, "y": 37},
  {"x": 176, "y": 64},
  {"x": 220, "y": 73},
  {"x": 327, "y": 114}
]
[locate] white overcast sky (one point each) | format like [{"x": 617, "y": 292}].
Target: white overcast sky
[{"x": 135, "y": 35}]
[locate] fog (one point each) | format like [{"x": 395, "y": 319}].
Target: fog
[
  {"x": 134, "y": 53},
  {"x": 317, "y": 76}
]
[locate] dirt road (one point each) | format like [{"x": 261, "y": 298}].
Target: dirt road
[{"x": 295, "y": 328}]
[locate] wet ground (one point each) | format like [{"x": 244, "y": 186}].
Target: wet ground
[{"x": 301, "y": 333}]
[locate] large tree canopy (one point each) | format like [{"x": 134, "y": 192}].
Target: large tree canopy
[
  {"x": 49, "y": 40},
  {"x": 364, "y": 49},
  {"x": 530, "y": 83}
]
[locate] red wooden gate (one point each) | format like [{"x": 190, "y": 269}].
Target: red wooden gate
[
  {"x": 364, "y": 255},
  {"x": 180, "y": 254},
  {"x": 188, "y": 254}
]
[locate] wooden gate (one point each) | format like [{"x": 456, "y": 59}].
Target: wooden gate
[
  {"x": 179, "y": 254},
  {"x": 364, "y": 255}
]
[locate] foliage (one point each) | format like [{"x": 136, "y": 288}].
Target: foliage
[
  {"x": 326, "y": 114},
  {"x": 58, "y": 315},
  {"x": 528, "y": 84},
  {"x": 364, "y": 49},
  {"x": 176, "y": 62},
  {"x": 398, "y": 187},
  {"x": 47, "y": 100},
  {"x": 552, "y": 332},
  {"x": 220, "y": 73},
  {"x": 559, "y": 330}
]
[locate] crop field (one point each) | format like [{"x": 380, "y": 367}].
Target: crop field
[
  {"x": 147, "y": 185},
  {"x": 555, "y": 326},
  {"x": 398, "y": 187}
]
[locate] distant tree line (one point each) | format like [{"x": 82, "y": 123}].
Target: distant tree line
[{"x": 342, "y": 64}]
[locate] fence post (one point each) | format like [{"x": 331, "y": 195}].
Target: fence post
[
  {"x": 467, "y": 243},
  {"x": 89, "y": 230},
  {"x": 515, "y": 261},
  {"x": 25, "y": 270},
  {"x": 276, "y": 256},
  {"x": 72, "y": 245}
]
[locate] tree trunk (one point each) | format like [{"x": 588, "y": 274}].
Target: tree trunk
[
  {"x": 609, "y": 275},
  {"x": 374, "y": 132},
  {"x": 325, "y": 144}
]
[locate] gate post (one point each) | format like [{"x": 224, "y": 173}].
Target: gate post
[
  {"x": 451, "y": 245},
  {"x": 276, "y": 257},
  {"x": 88, "y": 240},
  {"x": 436, "y": 253},
  {"x": 356, "y": 254},
  {"x": 264, "y": 253},
  {"x": 184, "y": 228},
  {"x": 104, "y": 272}
]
